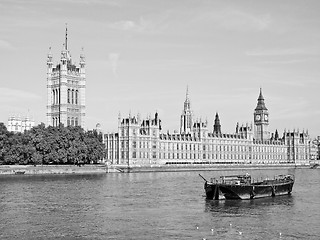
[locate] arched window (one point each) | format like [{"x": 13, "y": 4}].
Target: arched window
[
  {"x": 68, "y": 95},
  {"x": 53, "y": 97},
  {"x": 56, "y": 94},
  {"x": 53, "y": 121},
  {"x": 58, "y": 100},
  {"x": 72, "y": 97},
  {"x": 76, "y": 100}
]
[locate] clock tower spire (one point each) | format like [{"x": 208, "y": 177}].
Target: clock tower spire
[{"x": 261, "y": 119}]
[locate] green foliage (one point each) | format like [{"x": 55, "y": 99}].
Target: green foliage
[{"x": 51, "y": 145}]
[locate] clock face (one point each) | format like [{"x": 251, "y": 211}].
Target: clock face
[
  {"x": 258, "y": 117},
  {"x": 266, "y": 117}
]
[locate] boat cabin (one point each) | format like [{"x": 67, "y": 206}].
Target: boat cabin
[{"x": 236, "y": 179}]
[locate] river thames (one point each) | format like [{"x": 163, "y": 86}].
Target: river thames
[{"x": 163, "y": 205}]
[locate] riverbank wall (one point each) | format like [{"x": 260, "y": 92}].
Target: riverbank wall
[
  {"x": 198, "y": 167},
  {"x": 102, "y": 169},
  {"x": 52, "y": 169}
]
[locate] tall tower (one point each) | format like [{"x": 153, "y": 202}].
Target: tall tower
[
  {"x": 186, "y": 116},
  {"x": 261, "y": 120},
  {"x": 66, "y": 89}
]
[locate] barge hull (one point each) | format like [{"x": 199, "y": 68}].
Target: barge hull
[{"x": 222, "y": 191}]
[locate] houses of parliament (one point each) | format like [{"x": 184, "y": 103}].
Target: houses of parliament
[{"x": 141, "y": 142}]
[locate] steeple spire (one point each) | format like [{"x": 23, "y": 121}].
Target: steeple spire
[
  {"x": 187, "y": 93},
  {"x": 186, "y": 117},
  {"x": 260, "y": 95},
  {"x": 261, "y": 105},
  {"x": 66, "y": 41}
]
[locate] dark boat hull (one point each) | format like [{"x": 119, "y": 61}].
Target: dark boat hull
[{"x": 231, "y": 191}]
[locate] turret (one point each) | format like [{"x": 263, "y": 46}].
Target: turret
[
  {"x": 217, "y": 125},
  {"x": 49, "y": 62},
  {"x": 200, "y": 129},
  {"x": 82, "y": 63}
]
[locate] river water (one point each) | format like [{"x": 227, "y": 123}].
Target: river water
[{"x": 163, "y": 205}]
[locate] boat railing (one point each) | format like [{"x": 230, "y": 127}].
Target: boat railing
[
  {"x": 247, "y": 180},
  {"x": 234, "y": 179}
]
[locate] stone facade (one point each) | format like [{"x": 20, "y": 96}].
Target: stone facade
[
  {"x": 142, "y": 143},
  {"x": 18, "y": 124},
  {"x": 66, "y": 89}
]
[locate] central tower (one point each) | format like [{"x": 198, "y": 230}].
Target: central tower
[
  {"x": 261, "y": 120},
  {"x": 66, "y": 89},
  {"x": 186, "y": 116}
]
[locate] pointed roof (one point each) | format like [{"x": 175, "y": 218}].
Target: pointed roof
[
  {"x": 217, "y": 120},
  {"x": 261, "y": 105},
  {"x": 187, "y": 94},
  {"x": 66, "y": 41}
]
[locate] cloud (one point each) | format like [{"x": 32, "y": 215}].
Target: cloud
[
  {"x": 140, "y": 25},
  {"x": 6, "y": 45},
  {"x": 8, "y": 95}
]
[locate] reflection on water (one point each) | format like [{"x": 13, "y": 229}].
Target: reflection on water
[{"x": 243, "y": 206}]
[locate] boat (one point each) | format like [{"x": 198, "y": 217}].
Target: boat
[
  {"x": 314, "y": 166},
  {"x": 244, "y": 187},
  {"x": 19, "y": 172}
]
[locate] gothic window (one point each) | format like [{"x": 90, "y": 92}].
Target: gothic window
[
  {"x": 53, "y": 97},
  {"x": 56, "y": 96},
  {"x": 68, "y": 95},
  {"x": 76, "y": 97}
]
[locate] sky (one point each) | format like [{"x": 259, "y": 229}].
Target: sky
[{"x": 142, "y": 55}]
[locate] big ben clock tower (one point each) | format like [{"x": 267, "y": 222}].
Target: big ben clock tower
[{"x": 261, "y": 120}]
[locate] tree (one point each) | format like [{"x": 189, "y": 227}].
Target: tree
[
  {"x": 4, "y": 142},
  {"x": 45, "y": 145}
]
